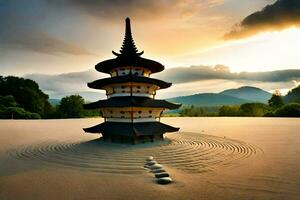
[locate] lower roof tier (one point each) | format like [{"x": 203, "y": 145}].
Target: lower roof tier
[
  {"x": 131, "y": 129},
  {"x": 131, "y": 101},
  {"x": 101, "y": 83}
]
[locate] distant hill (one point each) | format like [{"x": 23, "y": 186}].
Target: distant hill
[
  {"x": 227, "y": 97},
  {"x": 293, "y": 95},
  {"x": 249, "y": 93},
  {"x": 54, "y": 102},
  {"x": 208, "y": 99}
]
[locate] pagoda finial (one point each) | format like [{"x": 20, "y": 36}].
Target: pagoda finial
[{"x": 128, "y": 47}]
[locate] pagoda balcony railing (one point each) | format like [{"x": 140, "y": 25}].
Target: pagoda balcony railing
[
  {"x": 123, "y": 71},
  {"x": 134, "y": 120},
  {"x": 131, "y": 94}
]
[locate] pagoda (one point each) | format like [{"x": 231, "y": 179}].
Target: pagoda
[{"x": 131, "y": 113}]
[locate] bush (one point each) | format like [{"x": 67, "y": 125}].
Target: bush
[
  {"x": 194, "y": 111},
  {"x": 17, "y": 113},
  {"x": 229, "y": 111},
  {"x": 253, "y": 109}
]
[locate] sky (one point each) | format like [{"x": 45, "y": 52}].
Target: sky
[{"x": 205, "y": 45}]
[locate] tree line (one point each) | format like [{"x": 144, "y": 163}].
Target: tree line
[
  {"x": 276, "y": 107},
  {"x": 22, "y": 99}
]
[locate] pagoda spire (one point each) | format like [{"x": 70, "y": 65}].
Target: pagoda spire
[{"x": 128, "y": 47}]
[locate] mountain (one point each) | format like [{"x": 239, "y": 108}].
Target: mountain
[
  {"x": 293, "y": 95},
  {"x": 249, "y": 93},
  {"x": 227, "y": 97},
  {"x": 208, "y": 99}
]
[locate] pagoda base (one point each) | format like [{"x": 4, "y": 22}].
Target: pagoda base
[
  {"x": 132, "y": 140},
  {"x": 122, "y": 132}
]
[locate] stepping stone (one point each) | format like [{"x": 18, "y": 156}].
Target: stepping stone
[
  {"x": 152, "y": 162},
  {"x": 150, "y": 158},
  {"x": 164, "y": 180},
  {"x": 146, "y": 166},
  {"x": 156, "y": 166},
  {"x": 161, "y": 175},
  {"x": 155, "y": 171}
]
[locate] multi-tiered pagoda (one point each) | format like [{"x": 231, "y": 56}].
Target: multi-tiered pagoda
[{"x": 131, "y": 113}]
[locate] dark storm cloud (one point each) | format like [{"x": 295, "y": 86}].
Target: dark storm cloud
[
  {"x": 24, "y": 25},
  {"x": 277, "y": 16}
]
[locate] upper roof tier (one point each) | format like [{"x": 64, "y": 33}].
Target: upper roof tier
[{"x": 128, "y": 56}]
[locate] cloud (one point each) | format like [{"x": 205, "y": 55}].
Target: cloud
[
  {"x": 187, "y": 80},
  {"x": 145, "y": 9},
  {"x": 200, "y": 73},
  {"x": 280, "y": 15},
  {"x": 45, "y": 26},
  {"x": 24, "y": 26},
  {"x": 66, "y": 82},
  {"x": 61, "y": 85},
  {"x": 40, "y": 42}
]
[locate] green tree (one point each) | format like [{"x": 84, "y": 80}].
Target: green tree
[
  {"x": 9, "y": 110},
  {"x": 18, "y": 113},
  {"x": 71, "y": 107},
  {"x": 276, "y": 100},
  {"x": 289, "y": 110},
  {"x": 26, "y": 93},
  {"x": 7, "y": 101},
  {"x": 192, "y": 111},
  {"x": 195, "y": 111},
  {"x": 253, "y": 109},
  {"x": 229, "y": 111},
  {"x": 293, "y": 95}
]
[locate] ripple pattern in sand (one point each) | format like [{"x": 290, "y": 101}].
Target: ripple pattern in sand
[{"x": 191, "y": 152}]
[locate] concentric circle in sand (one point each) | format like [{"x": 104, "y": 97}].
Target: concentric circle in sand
[{"x": 191, "y": 152}]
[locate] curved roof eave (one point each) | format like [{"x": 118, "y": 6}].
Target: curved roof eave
[
  {"x": 131, "y": 129},
  {"x": 136, "y": 61},
  {"x": 99, "y": 84},
  {"x": 132, "y": 101}
]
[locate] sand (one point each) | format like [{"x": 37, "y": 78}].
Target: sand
[{"x": 211, "y": 158}]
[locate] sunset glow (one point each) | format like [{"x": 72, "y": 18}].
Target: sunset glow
[
  {"x": 264, "y": 52},
  {"x": 204, "y": 34}
]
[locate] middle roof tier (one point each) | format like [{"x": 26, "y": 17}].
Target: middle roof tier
[
  {"x": 102, "y": 83},
  {"x": 132, "y": 101}
]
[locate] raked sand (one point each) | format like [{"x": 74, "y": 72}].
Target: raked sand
[{"x": 211, "y": 158}]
